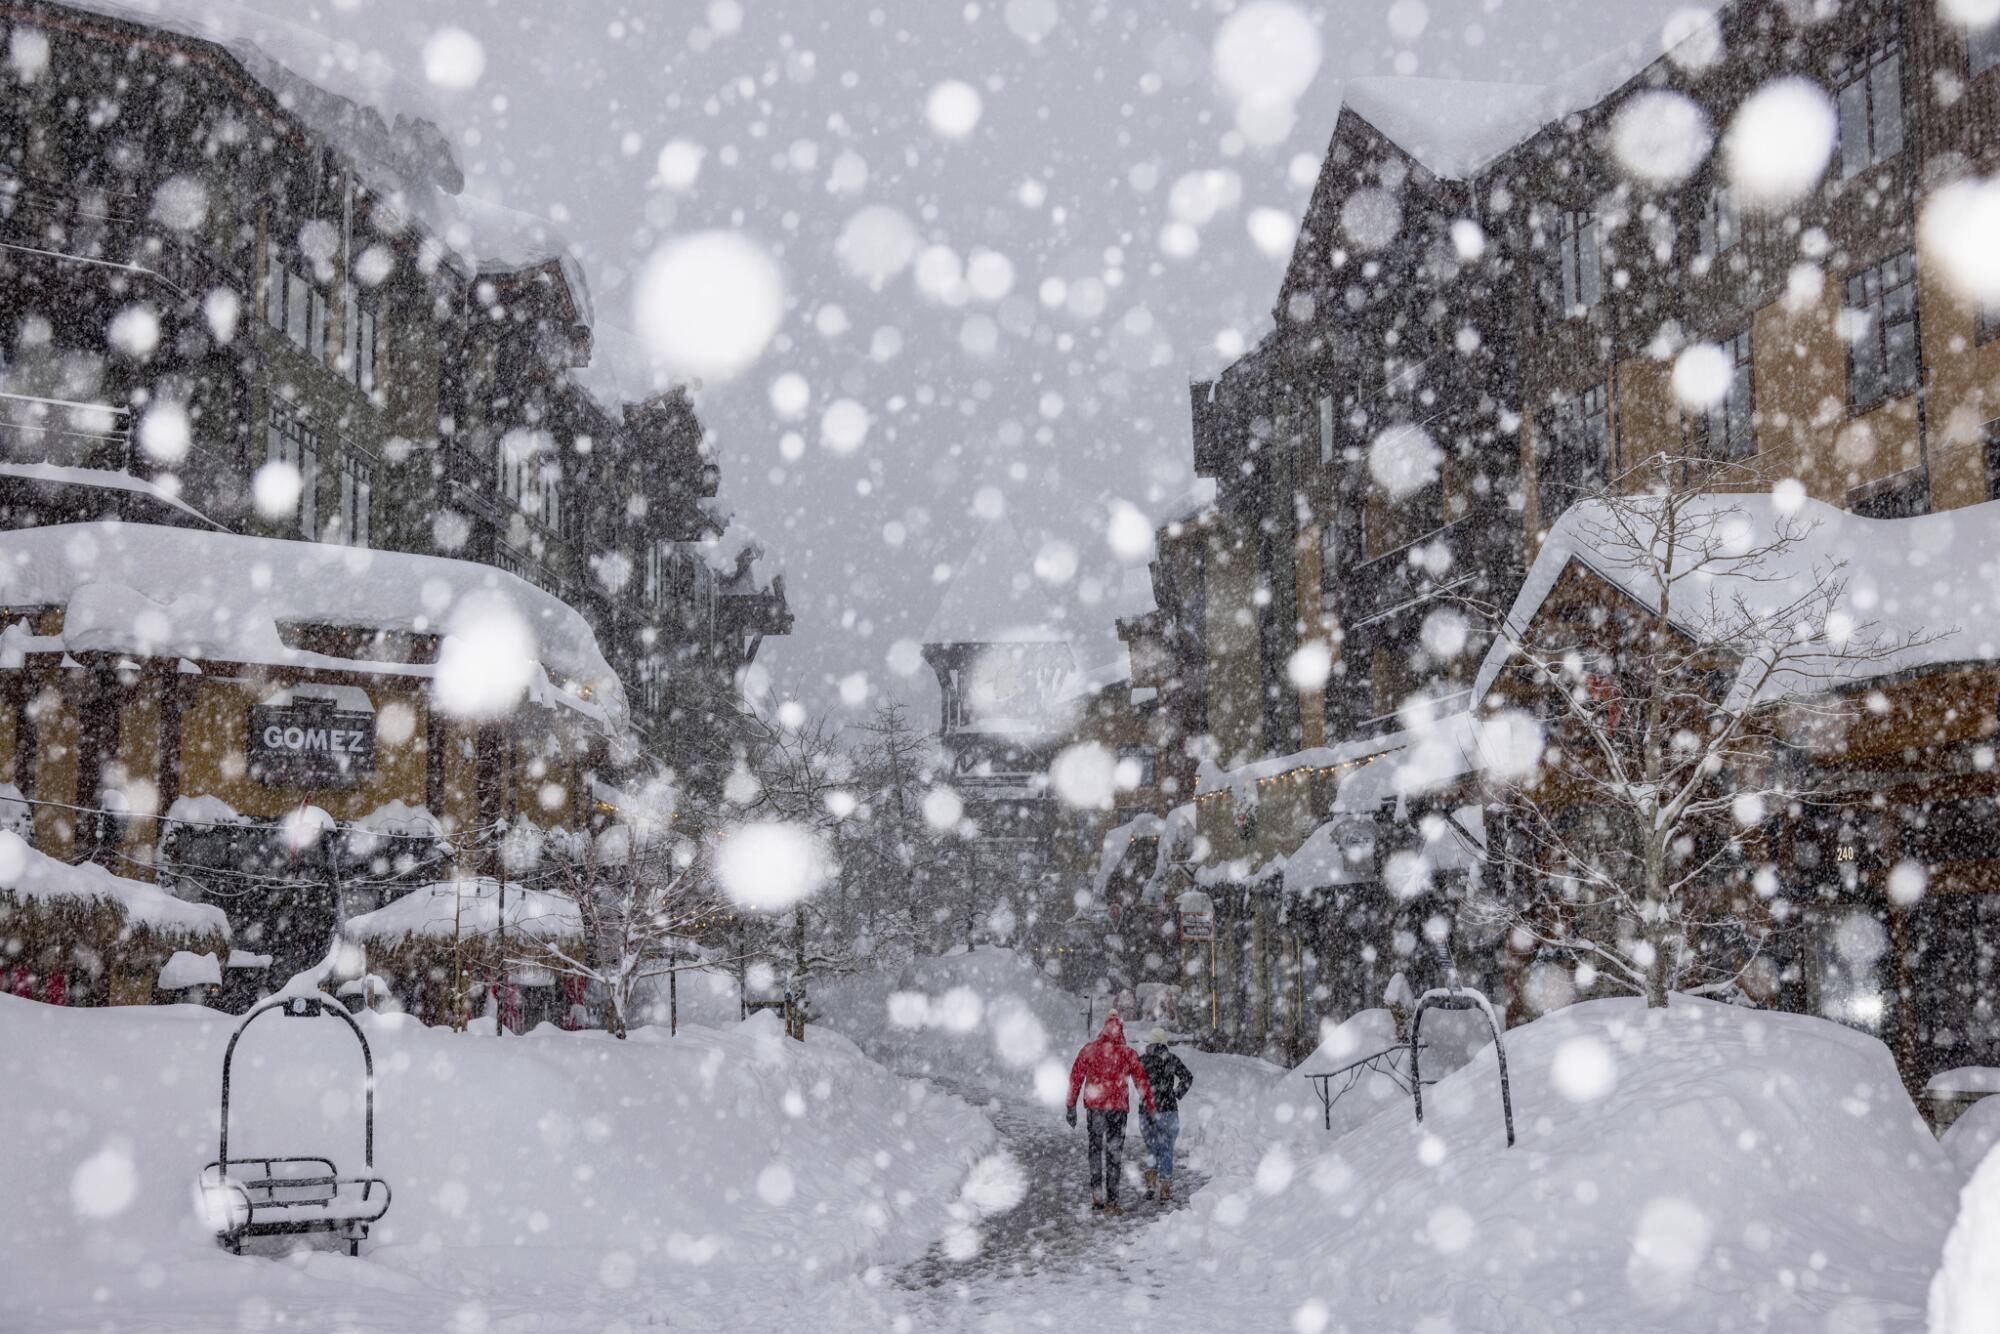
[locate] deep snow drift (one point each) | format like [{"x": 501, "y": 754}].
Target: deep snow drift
[
  {"x": 1699, "y": 1168},
  {"x": 552, "y": 1181}
]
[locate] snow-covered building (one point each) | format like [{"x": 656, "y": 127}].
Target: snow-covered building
[
  {"x": 1481, "y": 322},
  {"x": 240, "y": 299},
  {"x": 1006, "y": 680},
  {"x": 287, "y": 732}
]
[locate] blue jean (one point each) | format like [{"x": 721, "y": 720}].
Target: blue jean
[{"x": 1160, "y": 1136}]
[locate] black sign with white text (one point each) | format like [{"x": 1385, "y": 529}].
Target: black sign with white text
[{"x": 309, "y": 743}]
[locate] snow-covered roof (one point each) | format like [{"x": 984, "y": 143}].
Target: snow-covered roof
[
  {"x": 103, "y": 479},
  {"x": 1117, "y": 842},
  {"x": 1242, "y": 781},
  {"x": 494, "y": 238},
  {"x": 352, "y": 95},
  {"x": 36, "y": 877},
  {"x": 1926, "y": 590},
  {"x": 1455, "y": 127},
  {"x": 469, "y": 907},
  {"x": 153, "y": 591}
]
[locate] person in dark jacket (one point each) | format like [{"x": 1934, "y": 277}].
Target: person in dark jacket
[
  {"x": 1171, "y": 1079},
  {"x": 1100, "y": 1072}
]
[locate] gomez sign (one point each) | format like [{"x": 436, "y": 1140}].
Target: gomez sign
[{"x": 310, "y": 743}]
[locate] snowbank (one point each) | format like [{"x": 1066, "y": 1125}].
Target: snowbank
[
  {"x": 659, "y": 1177},
  {"x": 1974, "y": 1134},
  {"x": 1965, "y": 1295},
  {"x": 1690, "y": 1170}
]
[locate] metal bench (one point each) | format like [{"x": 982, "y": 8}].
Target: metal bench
[{"x": 299, "y": 1193}]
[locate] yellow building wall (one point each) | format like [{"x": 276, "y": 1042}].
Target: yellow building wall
[
  {"x": 1804, "y": 427},
  {"x": 1964, "y": 393},
  {"x": 1312, "y": 703},
  {"x": 213, "y": 763},
  {"x": 55, "y": 722},
  {"x": 1236, "y": 678}
]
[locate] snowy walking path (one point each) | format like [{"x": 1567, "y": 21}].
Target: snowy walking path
[
  {"x": 1053, "y": 1230},
  {"x": 1050, "y": 1257}
]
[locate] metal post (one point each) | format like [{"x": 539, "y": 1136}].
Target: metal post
[{"x": 500, "y": 964}]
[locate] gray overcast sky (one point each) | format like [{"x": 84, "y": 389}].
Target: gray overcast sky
[{"x": 1073, "y": 405}]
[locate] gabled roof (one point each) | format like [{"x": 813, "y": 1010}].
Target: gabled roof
[
  {"x": 1926, "y": 588},
  {"x": 1452, "y": 127}
]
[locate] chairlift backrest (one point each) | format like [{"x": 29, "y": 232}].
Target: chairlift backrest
[{"x": 298, "y": 1006}]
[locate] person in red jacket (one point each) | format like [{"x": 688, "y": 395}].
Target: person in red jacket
[{"x": 1100, "y": 1072}]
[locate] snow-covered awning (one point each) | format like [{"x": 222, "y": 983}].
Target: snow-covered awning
[
  {"x": 468, "y": 907},
  {"x": 106, "y": 479},
  {"x": 153, "y": 591},
  {"x": 36, "y": 879}
]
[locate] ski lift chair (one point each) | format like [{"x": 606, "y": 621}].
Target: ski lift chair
[{"x": 261, "y": 1197}]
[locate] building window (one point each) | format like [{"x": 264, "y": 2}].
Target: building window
[
  {"x": 359, "y": 339},
  {"x": 1982, "y": 49},
  {"x": 295, "y": 307},
  {"x": 1882, "y": 348},
  {"x": 1141, "y": 759},
  {"x": 1572, "y": 450},
  {"x": 1726, "y": 430},
  {"x": 1986, "y": 321},
  {"x": 1326, "y": 428},
  {"x": 1903, "y": 496},
  {"x": 289, "y": 439},
  {"x": 1573, "y": 284},
  {"x": 1870, "y": 84},
  {"x": 1992, "y": 451},
  {"x": 357, "y": 491},
  {"x": 1721, "y": 225}
]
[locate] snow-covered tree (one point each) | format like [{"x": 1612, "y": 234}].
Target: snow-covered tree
[
  {"x": 1632, "y": 847},
  {"x": 648, "y": 907}
]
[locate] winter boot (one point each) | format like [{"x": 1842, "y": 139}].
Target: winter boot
[
  {"x": 1112, "y": 1210},
  {"x": 1167, "y": 1191},
  {"x": 1097, "y": 1201},
  {"x": 1152, "y": 1182}
]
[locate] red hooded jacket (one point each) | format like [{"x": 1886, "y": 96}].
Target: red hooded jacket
[{"x": 1102, "y": 1068}]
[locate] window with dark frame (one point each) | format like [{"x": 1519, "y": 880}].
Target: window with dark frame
[
  {"x": 288, "y": 438},
  {"x": 1572, "y": 450},
  {"x": 1721, "y": 224},
  {"x": 295, "y": 306},
  {"x": 1727, "y": 430},
  {"x": 1882, "y": 352},
  {"x": 360, "y": 335},
  {"x": 1903, "y": 496},
  {"x": 1991, "y": 449},
  {"x": 1982, "y": 49},
  {"x": 1573, "y": 284},
  {"x": 1869, "y": 84}
]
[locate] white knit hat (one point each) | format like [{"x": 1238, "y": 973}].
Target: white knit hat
[{"x": 1158, "y": 1035}]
